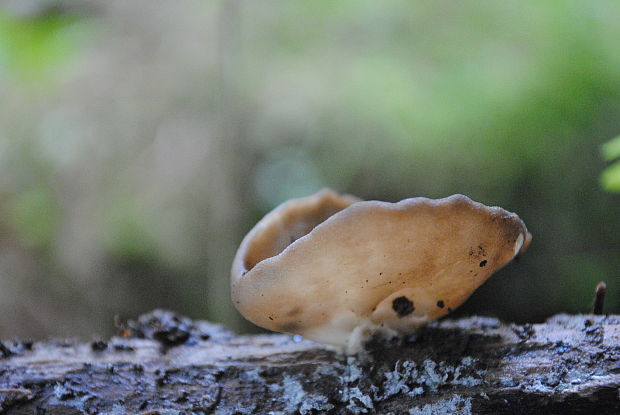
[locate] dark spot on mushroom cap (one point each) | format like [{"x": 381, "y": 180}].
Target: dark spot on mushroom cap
[
  {"x": 483, "y": 263},
  {"x": 294, "y": 312},
  {"x": 402, "y": 306},
  {"x": 440, "y": 304}
]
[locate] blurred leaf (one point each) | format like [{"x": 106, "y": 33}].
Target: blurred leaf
[
  {"x": 34, "y": 215},
  {"x": 610, "y": 178},
  {"x": 32, "y": 48},
  {"x": 611, "y": 149}
]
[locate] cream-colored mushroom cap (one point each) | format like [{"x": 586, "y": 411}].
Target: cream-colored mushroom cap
[{"x": 331, "y": 267}]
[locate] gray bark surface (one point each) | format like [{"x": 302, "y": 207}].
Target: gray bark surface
[{"x": 168, "y": 364}]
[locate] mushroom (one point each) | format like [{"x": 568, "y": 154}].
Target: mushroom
[{"x": 333, "y": 268}]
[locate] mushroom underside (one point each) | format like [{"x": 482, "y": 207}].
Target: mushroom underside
[{"x": 293, "y": 221}]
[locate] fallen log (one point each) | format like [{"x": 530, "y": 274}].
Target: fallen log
[{"x": 167, "y": 364}]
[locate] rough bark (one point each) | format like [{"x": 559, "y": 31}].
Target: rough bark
[{"x": 168, "y": 364}]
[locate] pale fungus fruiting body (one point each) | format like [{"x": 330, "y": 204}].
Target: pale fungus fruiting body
[{"x": 333, "y": 268}]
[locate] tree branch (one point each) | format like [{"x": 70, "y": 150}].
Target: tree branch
[{"x": 168, "y": 364}]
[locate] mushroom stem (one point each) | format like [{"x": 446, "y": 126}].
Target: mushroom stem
[{"x": 599, "y": 298}]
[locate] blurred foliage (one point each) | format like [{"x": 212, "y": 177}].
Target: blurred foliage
[
  {"x": 139, "y": 142},
  {"x": 126, "y": 233},
  {"x": 31, "y": 49},
  {"x": 610, "y": 179},
  {"x": 34, "y": 214}
]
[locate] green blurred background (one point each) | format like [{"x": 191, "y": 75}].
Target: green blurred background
[{"x": 141, "y": 140}]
